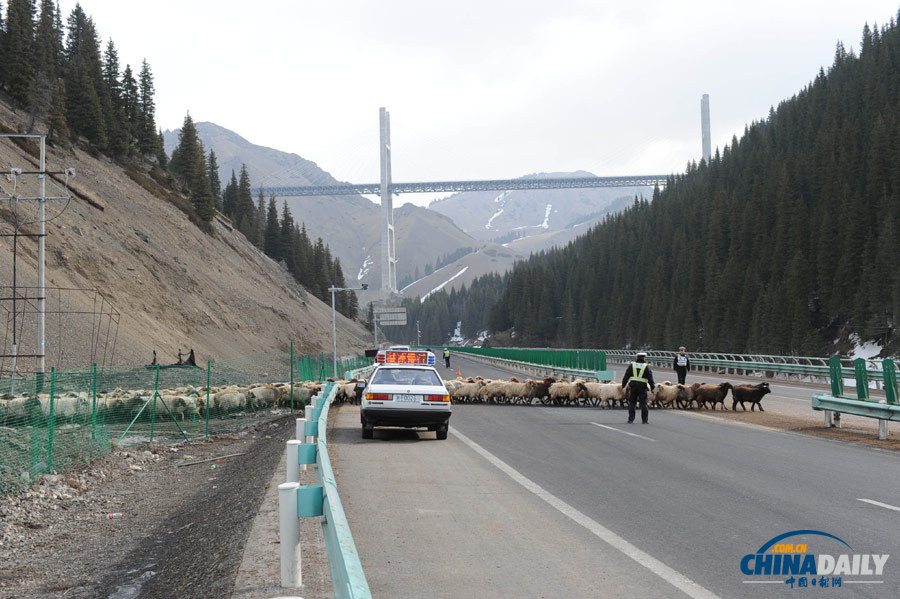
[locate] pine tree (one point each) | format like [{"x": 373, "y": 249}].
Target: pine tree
[
  {"x": 117, "y": 130},
  {"x": 84, "y": 80},
  {"x": 186, "y": 155},
  {"x": 146, "y": 130},
  {"x": 214, "y": 183},
  {"x": 18, "y": 67},
  {"x": 260, "y": 219},
  {"x": 272, "y": 233},
  {"x": 229, "y": 196},
  {"x": 48, "y": 42},
  {"x": 130, "y": 102},
  {"x": 58, "y": 127}
]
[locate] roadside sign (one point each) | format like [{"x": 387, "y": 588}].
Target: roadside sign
[{"x": 390, "y": 316}]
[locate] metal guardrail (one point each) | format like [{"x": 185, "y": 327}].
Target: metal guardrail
[
  {"x": 835, "y": 404},
  {"x": 319, "y": 500},
  {"x": 769, "y": 365},
  {"x": 347, "y": 576},
  {"x": 558, "y": 372}
]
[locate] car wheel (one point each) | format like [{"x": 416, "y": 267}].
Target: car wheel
[
  {"x": 368, "y": 431},
  {"x": 442, "y": 432}
]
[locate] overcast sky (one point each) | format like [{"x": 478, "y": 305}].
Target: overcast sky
[{"x": 480, "y": 89}]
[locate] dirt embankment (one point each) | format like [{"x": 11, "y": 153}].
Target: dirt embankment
[{"x": 183, "y": 529}]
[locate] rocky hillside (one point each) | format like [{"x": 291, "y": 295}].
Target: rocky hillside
[{"x": 174, "y": 285}]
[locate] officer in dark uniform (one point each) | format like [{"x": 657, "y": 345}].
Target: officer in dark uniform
[
  {"x": 638, "y": 377},
  {"x": 681, "y": 365}
]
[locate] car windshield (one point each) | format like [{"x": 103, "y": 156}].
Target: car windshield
[{"x": 406, "y": 376}]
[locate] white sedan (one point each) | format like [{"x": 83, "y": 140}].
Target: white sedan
[{"x": 405, "y": 395}]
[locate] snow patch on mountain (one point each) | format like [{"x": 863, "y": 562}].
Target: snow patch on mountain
[
  {"x": 366, "y": 266},
  {"x": 500, "y": 199},
  {"x": 441, "y": 286},
  {"x": 546, "y": 223}
]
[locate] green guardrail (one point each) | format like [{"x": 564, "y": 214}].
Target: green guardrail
[
  {"x": 575, "y": 359},
  {"x": 546, "y": 365},
  {"x": 758, "y": 363},
  {"x": 347, "y": 576},
  {"x": 862, "y": 405}
]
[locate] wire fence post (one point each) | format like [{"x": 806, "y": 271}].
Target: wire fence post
[
  {"x": 94, "y": 403},
  {"x": 153, "y": 408},
  {"x": 208, "y": 382},
  {"x": 292, "y": 377},
  {"x": 52, "y": 421}
]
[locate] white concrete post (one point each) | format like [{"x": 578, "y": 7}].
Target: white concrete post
[
  {"x": 301, "y": 429},
  {"x": 293, "y": 468},
  {"x": 289, "y": 535},
  {"x": 828, "y": 422},
  {"x": 882, "y": 429}
]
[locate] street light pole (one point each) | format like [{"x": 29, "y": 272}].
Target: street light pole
[{"x": 334, "y": 323}]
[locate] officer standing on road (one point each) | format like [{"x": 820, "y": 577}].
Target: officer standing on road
[
  {"x": 681, "y": 365},
  {"x": 638, "y": 377},
  {"x": 447, "y": 356}
]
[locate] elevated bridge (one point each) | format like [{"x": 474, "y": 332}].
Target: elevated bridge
[
  {"x": 386, "y": 188},
  {"x": 459, "y": 186}
]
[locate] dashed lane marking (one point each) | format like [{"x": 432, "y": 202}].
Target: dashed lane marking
[
  {"x": 618, "y": 430},
  {"x": 670, "y": 575},
  {"x": 879, "y": 504}
]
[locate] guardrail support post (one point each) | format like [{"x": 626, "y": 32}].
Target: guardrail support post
[
  {"x": 289, "y": 535},
  {"x": 882, "y": 429},
  {"x": 300, "y": 435},
  {"x": 862, "y": 379},
  {"x": 293, "y": 464}
]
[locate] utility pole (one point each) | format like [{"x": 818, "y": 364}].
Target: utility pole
[
  {"x": 41, "y": 343},
  {"x": 334, "y": 321},
  {"x": 418, "y": 334}
]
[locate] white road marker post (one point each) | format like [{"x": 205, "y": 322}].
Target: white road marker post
[
  {"x": 289, "y": 535},
  {"x": 301, "y": 437},
  {"x": 293, "y": 464}
]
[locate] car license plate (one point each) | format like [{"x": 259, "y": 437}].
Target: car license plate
[{"x": 402, "y": 397}]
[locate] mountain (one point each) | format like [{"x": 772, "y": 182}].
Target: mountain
[
  {"x": 172, "y": 284},
  {"x": 509, "y": 215},
  {"x": 350, "y": 225},
  {"x": 785, "y": 243}
]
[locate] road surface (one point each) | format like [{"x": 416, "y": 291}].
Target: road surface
[{"x": 572, "y": 502}]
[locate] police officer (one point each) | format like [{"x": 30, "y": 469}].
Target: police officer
[
  {"x": 638, "y": 377},
  {"x": 447, "y": 356},
  {"x": 681, "y": 365}
]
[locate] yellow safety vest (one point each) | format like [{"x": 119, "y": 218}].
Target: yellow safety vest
[{"x": 637, "y": 372}]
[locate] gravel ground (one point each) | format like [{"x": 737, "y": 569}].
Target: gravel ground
[{"x": 182, "y": 533}]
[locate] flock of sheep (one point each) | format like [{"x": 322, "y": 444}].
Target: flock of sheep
[
  {"x": 184, "y": 402},
  {"x": 549, "y": 391},
  {"x": 188, "y": 402}
]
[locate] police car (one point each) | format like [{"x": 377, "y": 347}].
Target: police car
[{"x": 405, "y": 390}]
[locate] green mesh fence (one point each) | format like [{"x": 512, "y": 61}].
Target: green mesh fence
[
  {"x": 59, "y": 420},
  {"x": 579, "y": 359}
]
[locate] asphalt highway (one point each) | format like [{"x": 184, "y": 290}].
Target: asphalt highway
[{"x": 537, "y": 501}]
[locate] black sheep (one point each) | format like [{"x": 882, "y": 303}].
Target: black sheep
[{"x": 751, "y": 393}]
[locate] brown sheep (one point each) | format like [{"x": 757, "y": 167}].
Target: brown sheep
[{"x": 712, "y": 394}]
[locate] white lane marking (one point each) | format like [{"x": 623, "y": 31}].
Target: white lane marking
[
  {"x": 673, "y": 577},
  {"x": 623, "y": 432},
  {"x": 879, "y": 504}
]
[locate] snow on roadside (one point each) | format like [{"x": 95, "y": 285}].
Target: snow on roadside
[
  {"x": 866, "y": 351},
  {"x": 457, "y": 333},
  {"x": 441, "y": 286}
]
